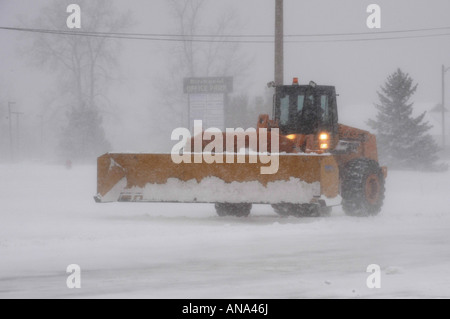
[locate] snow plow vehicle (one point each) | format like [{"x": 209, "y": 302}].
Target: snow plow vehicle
[{"x": 299, "y": 161}]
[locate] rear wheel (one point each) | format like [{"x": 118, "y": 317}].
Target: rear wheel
[
  {"x": 362, "y": 188},
  {"x": 282, "y": 209},
  {"x": 237, "y": 210},
  {"x": 297, "y": 210}
]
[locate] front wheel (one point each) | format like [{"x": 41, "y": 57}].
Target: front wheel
[
  {"x": 237, "y": 210},
  {"x": 362, "y": 188}
]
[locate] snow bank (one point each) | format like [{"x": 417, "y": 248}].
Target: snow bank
[{"x": 213, "y": 189}]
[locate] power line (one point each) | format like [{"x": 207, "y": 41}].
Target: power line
[
  {"x": 368, "y": 33},
  {"x": 131, "y": 36},
  {"x": 168, "y": 35},
  {"x": 374, "y": 39},
  {"x": 229, "y": 38}
]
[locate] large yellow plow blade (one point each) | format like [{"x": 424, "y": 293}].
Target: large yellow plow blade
[{"x": 156, "y": 178}]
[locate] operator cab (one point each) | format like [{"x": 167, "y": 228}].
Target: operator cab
[{"x": 306, "y": 109}]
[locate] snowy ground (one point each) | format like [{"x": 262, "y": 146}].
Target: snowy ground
[{"x": 48, "y": 220}]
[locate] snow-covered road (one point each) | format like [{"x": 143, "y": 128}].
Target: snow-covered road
[{"x": 49, "y": 220}]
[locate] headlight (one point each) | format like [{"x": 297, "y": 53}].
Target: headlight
[
  {"x": 323, "y": 137},
  {"x": 324, "y": 140},
  {"x": 291, "y": 137}
]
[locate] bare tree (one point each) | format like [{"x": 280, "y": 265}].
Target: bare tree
[
  {"x": 205, "y": 58},
  {"x": 84, "y": 66},
  {"x": 190, "y": 58}
]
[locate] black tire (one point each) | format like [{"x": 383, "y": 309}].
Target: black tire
[
  {"x": 297, "y": 210},
  {"x": 362, "y": 188},
  {"x": 307, "y": 210},
  {"x": 237, "y": 210},
  {"x": 282, "y": 209}
]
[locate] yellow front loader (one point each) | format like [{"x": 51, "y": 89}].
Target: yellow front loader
[{"x": 315, "y": 160}]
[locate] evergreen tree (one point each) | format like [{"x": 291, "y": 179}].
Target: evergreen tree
[{"x": 403, "y": 141}]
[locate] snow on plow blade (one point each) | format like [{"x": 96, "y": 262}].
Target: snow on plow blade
[{"x": 156, "y": 178}]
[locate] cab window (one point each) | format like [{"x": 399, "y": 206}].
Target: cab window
[
  {"x": 325, "y": 105},
  {"x": 300, "y": 102},
  {"x": 284, "y": 116}
]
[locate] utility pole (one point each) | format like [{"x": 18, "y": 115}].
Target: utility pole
[
  {"x": 11, "y": 147},
  {"x": 279, "y": 42},
  {"x": 444, "y": 70}
]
